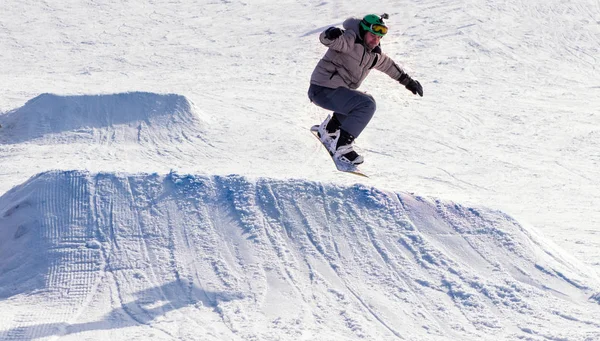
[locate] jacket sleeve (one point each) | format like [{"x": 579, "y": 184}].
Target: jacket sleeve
[
  {"x": 386, "y": 65},
  {"x": 342, "y": 44}
]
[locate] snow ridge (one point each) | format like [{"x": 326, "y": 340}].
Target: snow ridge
[
  {"x": 138, "y": 117},
  {"x": 242, "y": 259}
]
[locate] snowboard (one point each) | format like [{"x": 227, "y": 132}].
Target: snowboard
[{"x": 340, "y": 165}]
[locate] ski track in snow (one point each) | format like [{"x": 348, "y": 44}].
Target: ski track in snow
[{"x": 104, "y": 235}]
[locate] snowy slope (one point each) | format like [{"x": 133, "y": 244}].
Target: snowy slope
[
  {"x": 131, "y": 131},
  {"x": 224, "y": 258},
  {"x": 105, "y": 104},
  {"x": 509, "y": 119}
]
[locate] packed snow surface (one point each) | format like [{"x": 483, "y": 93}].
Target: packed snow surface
[
  {"x": 158, "y": 179},
  {"x": 224, "y": 258}
]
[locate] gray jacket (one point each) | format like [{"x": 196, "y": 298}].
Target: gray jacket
[{"x": 348, "y": 60}]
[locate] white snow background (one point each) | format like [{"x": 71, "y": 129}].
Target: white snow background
[{"x": 158, "y": 179}]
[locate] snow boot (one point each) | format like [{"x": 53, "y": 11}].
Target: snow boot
[
  {"x": 344, "y": 150},
  {"x": 327, "y": 131}
]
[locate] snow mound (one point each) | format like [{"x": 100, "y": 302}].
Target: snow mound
[
  {"x": 127, "y": 117},
  {"x": 227, "y": 258}
]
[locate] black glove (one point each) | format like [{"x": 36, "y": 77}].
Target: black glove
[
  {"x": 415, "y": 87},
  {"x": 333, "y": 33}
]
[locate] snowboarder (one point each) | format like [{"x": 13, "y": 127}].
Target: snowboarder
[{"x": 353, "y": 52}]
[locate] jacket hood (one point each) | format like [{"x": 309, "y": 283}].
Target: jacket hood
[{"x": 353, "y": 25}]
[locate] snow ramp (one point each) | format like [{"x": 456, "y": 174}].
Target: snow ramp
[
  {"x": 134, "y": 117},
  {"x": 163, "y": 257}
]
